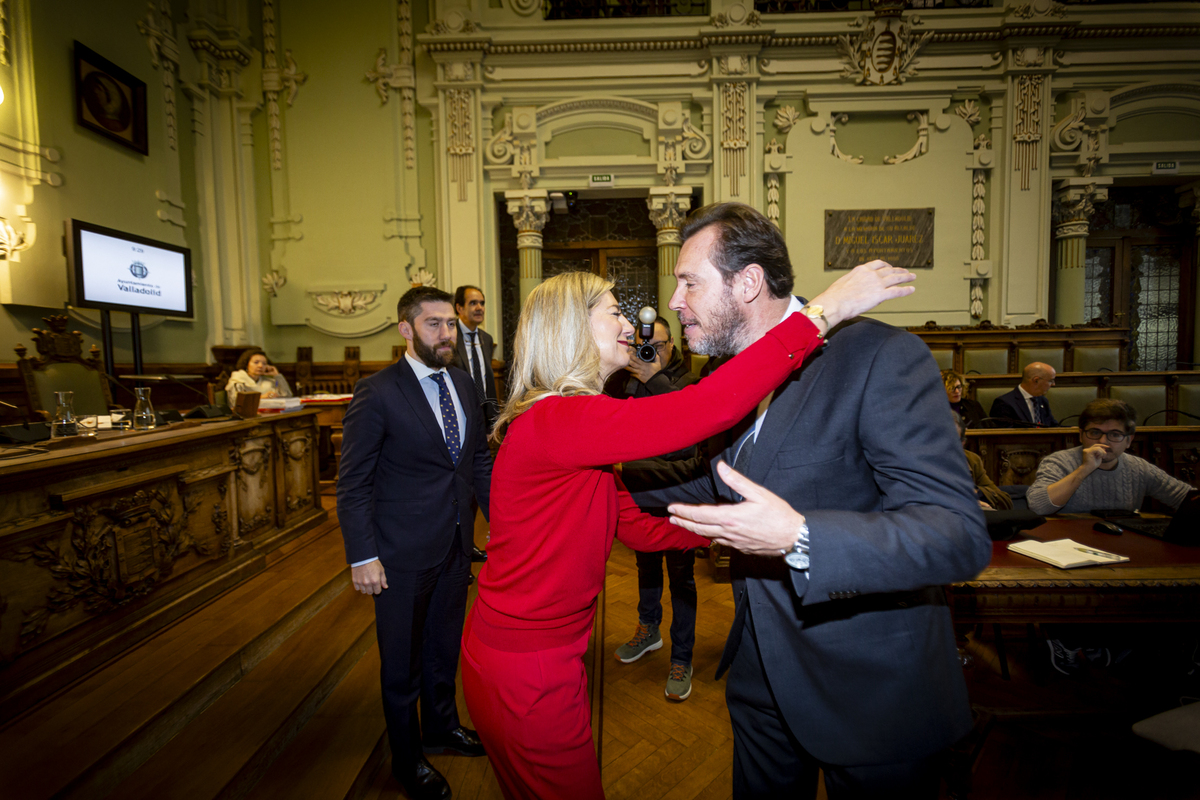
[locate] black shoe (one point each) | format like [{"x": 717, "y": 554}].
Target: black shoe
[
  {"x": 478, "y": 556},
  {"x": 459, "y": 742},
  {"x": 423, "y": 782}
]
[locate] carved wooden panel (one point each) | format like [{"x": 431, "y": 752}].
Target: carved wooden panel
[
  {"x": 104, "y": 542},
  {"x": 299, "y": 453},
  {"x": 256, "y": 500}
]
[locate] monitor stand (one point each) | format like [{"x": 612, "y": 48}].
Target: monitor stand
[{"x": 106, "y": 341}]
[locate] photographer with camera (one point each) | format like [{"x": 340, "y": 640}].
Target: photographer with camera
[{"x": 656, "y": 367}]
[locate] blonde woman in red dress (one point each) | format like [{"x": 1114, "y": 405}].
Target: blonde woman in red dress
[{"x": 556, "y": 506}]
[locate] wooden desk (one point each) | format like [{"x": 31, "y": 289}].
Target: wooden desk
[
  {"x": 329, "y": 418},
  {"x": 1159, "y": 583},
  {"x": 102, "y": 543}
]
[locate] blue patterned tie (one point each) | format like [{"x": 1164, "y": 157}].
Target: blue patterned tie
[{"x": 449, "y": 418}]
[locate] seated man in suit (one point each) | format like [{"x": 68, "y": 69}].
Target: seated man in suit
[
  {"x": 414, "y": 454},
  {"x": 1027, "y": 402},
  {"x": 1099, "y": 473}
]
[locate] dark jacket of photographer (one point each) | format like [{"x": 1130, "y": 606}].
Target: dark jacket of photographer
[{"x": 671, "y": 378}]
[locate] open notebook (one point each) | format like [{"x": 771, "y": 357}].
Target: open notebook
[{"x": 1066, "y": 553}]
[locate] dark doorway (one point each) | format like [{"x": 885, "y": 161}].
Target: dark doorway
[{"x": 1140, "y": 273}]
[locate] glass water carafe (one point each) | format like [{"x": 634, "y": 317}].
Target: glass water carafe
[
  {"x": 143, "y": 412},
  {"x": 64, "y": 423}
]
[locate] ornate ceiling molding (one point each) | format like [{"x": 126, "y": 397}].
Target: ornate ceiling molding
[
  {"x": 700, "y": 42},
  {"x": 622, "y": 105}
]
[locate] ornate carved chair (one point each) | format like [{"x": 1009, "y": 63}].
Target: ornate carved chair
[{"x": 60, "y": 366}]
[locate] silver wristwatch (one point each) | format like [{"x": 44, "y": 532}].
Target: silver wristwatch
[{"x": 797, "y": 557}]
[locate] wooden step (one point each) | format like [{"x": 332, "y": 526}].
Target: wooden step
[
  {"x": 342, "y": 745},
  {"x": 224, "y": 751},
  {"x": 91, "y": 736}
]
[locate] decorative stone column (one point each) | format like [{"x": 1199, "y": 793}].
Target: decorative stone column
[
  {"x": 667, "y": 211},
  {"x": 225, "y": 176},
  {"x": 1074, "y": 200},
  {"x": 529, "y": 213}
]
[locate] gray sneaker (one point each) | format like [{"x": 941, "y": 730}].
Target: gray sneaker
[
  {"x": 644, "y": 640},
  {"x": 679, "y": 681}
]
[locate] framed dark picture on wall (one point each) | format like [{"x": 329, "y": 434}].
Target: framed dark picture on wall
[{"x": 110, "y": 101}]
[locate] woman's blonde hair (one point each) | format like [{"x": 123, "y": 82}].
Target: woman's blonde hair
[{"x": 554, "y": 353}]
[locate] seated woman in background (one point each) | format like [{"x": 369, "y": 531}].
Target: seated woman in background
[
  {"x": 991, "y": 497},
  {"x": 967, "y": 409},
  {"x": 256, "y": 373}
]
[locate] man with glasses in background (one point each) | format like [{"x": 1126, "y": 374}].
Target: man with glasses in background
[{"x": 1099, "y": 474}]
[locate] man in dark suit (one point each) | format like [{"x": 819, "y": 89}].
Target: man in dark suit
[
  {"x": 474, "y": 356},
  {"x": 475, "y": 348},
  {"x": 413, "y": 456},
  {"x": 849, "y": 666},
  {"x": 1027, "y": 402}
]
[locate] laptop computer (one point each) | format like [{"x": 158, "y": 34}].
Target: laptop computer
[{"x": 1183, "y": 528}]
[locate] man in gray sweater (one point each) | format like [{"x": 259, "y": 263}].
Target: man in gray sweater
[{"x": 1099, "y": 473}]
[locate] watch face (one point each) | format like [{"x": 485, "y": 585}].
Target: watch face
[{"x": 796, "y": 560}]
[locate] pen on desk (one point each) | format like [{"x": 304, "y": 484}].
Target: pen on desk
[{"x": 1099, "y": 553}]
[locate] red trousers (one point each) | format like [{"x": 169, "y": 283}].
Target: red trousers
[{"x": 532, "y": 713}]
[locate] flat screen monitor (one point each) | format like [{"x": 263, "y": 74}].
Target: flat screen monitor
[{"x": 108, "y": 269}]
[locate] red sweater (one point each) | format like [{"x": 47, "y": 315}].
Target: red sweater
[{"x": 556, "y": 505}]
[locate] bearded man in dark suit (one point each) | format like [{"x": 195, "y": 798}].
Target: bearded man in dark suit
[
  {"x": 849, "y": 507},
  {"x": 414, "y": 455}
]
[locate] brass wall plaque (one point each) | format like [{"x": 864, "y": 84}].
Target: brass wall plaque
[{"x": 903, "y": 237}]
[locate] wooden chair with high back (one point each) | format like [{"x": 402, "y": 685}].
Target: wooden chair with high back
[{"x": 60, "y": 366}]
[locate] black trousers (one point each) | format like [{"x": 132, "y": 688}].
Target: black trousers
[
  {"x": 419, "y": 622},
  {"x": 681, "y": 574},
  {"x": 769, "y": 762}
]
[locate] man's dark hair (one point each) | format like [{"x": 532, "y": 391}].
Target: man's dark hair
[
  {"x": 460, "y": 295},
  {"x": 666, "y": 325},
  {"x": 744, "y": 237},
  {"x": 243, "y": 361},
  {"x": 1107, "y": 409},
  {"x": 657, "y": 321},
  {"x": 410, "y": 304}
]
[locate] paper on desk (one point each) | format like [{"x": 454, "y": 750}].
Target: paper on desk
[{"x": 1066, "y": 553}]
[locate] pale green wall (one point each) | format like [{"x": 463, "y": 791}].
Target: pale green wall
[
  {"x": 344, "y": 166},
  {"x": 103, "y": 182},
  {"x": 597, "y": 142},
  {"x": 1156, "y": 128},
  {"x": 875, "y": 135}
]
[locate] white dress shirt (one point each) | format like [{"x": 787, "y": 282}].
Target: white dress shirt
[
  {"x": 465, "y": 333},
  {"x": 1028, "y": 403}
]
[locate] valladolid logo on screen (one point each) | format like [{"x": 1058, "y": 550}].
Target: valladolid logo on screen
[{"x": 139, "y": 271}]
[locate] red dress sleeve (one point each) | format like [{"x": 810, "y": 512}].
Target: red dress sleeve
[
  {"x": 596, "y": 430},
  {"x": 638, "y": 530}
]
